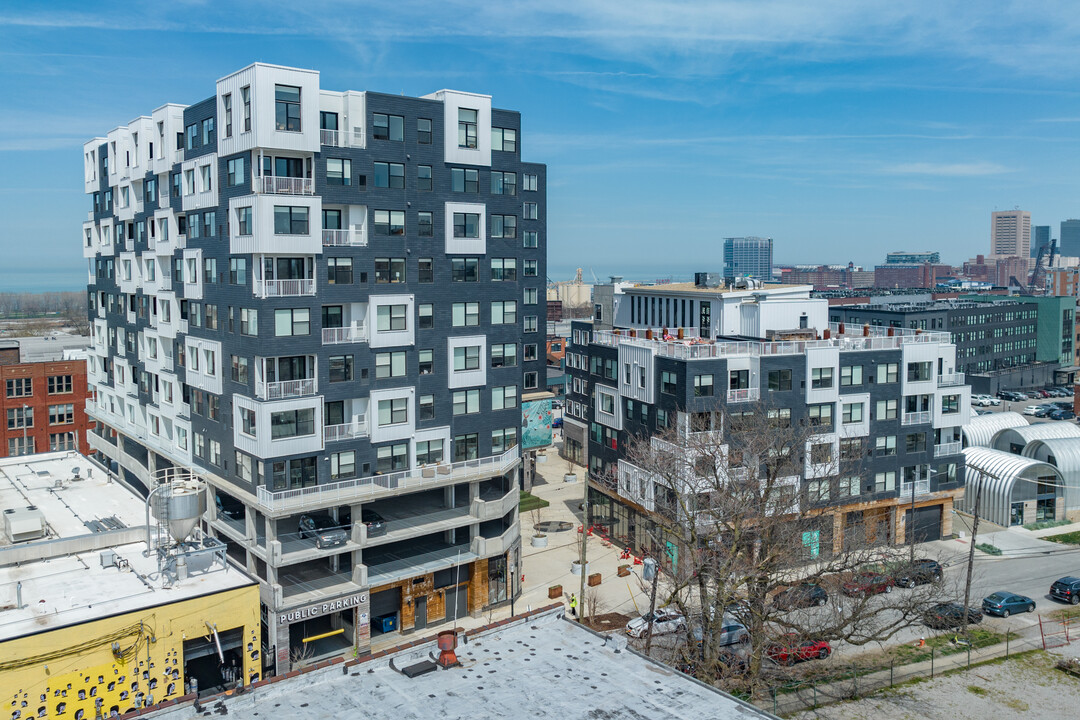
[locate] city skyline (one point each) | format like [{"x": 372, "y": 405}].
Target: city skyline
[{"x": 819, "y": 128}]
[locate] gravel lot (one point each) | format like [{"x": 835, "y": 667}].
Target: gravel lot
[{"x": 1025, "y": 687}]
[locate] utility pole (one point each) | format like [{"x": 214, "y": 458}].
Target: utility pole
[
  {"x": 652, "y": 609},
  {"x": 971, "y": 550}
]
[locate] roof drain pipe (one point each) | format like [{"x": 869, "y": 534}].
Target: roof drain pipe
[{"x": 217, "y": 641}]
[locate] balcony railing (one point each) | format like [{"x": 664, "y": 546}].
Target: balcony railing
[
  {"x": 915, "y": 418},
  {"x": 288, "y": 288},
  {"x": 380, "y": 485},
  {"x": 338, "y": 336},
  {"x": 342, "y": 138},
  {"x": 346, "y": 431},
  {"x": 950, "y": 379},
  {"x": 950, "y": 448},
  {"x": 278, "y": 185},
  {"x": 352, "y": 237},
  {"x": 743, "y": 395},
  {"x": 922, "y": 487},
  {"x": 287, "y": 389}
]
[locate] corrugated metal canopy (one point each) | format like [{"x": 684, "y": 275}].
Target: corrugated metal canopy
[
  {"x": 1064, "y": 454},
  {"x": 1006, "y": 478},
  {"x": 979, "y": 432},
  {"x": 1007, "y": 438}
]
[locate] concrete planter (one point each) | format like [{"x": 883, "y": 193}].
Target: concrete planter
[
  {"x": 541, "y": 458},
  {"x": 569, "y": 478},
  {"x": 539, "y": 541},
  {"x": 575, "y": 567},
  {"x": 624, "y": 570},
  {"x": 554, "y": 592},
  {"x": 594, "y": 580}
]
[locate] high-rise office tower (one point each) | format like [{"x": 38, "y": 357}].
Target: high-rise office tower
[
  {"x": 1040, "y": 239},
  {"x": 1069, "y": 240},
  {"x": 331, "y": 305},
  {"x": 1010, "y": 233},
  {"x": 748, "y": 257}
]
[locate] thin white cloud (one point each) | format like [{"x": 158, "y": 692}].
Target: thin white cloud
[{"x": 948, "y": 169}]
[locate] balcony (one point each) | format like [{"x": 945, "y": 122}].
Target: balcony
[
  {"x": 276, "y": 185},
  {"x": 352, "y": 237},
  {"x": 341, "y": 335},
  {"x": 287, "y": 288},
  {"x": 286, "y": 389},
  {"x": 951, "y": 448},
  {"x": 494, "y": 506},
  {"x": 915, "y": 418},
  {"x": 950, "y": 379},
  {"x": 743, "y": 395},
  {"x": 346, "y": 431},
  {"x": 922, "y": 487},
  {"x": 379, "y": 486},
  {"x": 342, "y": 138}
]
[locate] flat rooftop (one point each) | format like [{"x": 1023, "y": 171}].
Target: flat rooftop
[
  {"x": 689, "y": 287},
  {"x": 542, "y": 667},
  {"x": 52, "y": 347},
  {"x": 61, "y": 576}
]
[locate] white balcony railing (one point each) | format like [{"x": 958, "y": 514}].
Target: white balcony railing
[
  {"x": 288, "y": 288},
  {"x": 743, "y": 395},
  {"x": 915, "y": 418},
  {"x": 950, "y": 379},
  {"x": 949, "y": 448},
  {"x": 347, "y": 431},
  {"x": 338, "y": 336},
  {"x": 342, "y": 138},
  {"x": 922, "y": 487},
  {"x": 276, "y": 185},
  {"x": 287, "y": 389},
  {"x": 379, "y": 485},
  {"x": 351, "y": 237}
]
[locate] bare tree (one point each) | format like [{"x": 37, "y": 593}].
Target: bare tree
[{"x": 733, "y": 524}]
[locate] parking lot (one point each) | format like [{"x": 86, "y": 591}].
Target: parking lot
[{"x": 1021, "y": 405}]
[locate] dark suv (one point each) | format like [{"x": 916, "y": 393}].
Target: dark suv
[
  {"x": 1067, "y": 589},
  {"x": 802, "y": 595},
  {"x": 921, "y": 572}
]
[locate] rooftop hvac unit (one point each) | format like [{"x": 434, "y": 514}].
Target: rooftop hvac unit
[
  {"x": 24, "y": 524},
  {"x": 707, "y": 280}
]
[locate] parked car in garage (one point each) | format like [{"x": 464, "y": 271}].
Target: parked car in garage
[
  {"x": 944, "y": 616},
  {"x": 324, "y": 529},
  {"x": 1005, "y": 603},
  {"x": 1066, "y": 589},
  {"x": 663, "y": 622},
  {"x": 790, "y": 649},
  {"x": 868, "y": 583}
]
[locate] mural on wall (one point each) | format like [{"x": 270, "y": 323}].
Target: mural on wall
[{"x": 536, "y": 424}]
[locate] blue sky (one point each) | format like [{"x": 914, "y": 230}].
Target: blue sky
[{"x": 841, "y": 129}]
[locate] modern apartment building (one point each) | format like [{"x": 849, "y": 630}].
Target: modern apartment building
[
  {"x": 748, "y": 257},
  {"x": 1010, "y": 233},
  {"x": 331, "y": 305},
  {"x": 888, "y": 404},
  {"x": 44, "y": 394}
]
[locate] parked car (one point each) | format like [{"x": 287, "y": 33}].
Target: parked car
[
  {"x": 790, "y": 649},
  {"x": 373, "y": 521},
  {"x": 324, "y": 529},
  {"x": 944, "y": 616},
  {"x": 1062, "y": 415},
  {"x": 802, "y": 595},
  {"x": 663, "y": 622},
  {"x": 732, "y": 632},
  {"x": 1066, "y": 589},
  {"x": 921, "y": 572},
  {"x": 1005, "y": 603},
  {"x": 1031, "y": 409},
  {"x": 985, "y": 400},
  {"x": 1044, "y": 411},
  {"x": 231, "y": 510},
  {"x": 868, "y": 583},
  {"x": 556, "y": 422}
]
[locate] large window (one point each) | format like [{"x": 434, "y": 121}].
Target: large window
[
  {"x": 504, "y": 312},
  {"x": 530, "y": 211},
  {"x": 390, "y": 175},
  {"x": 466, "y": 225},
  {"x": 392, "y": 318},
  {"x": 426, "y": 405},
  {"x": 667, "y": 382},
  {"x": 423, "y": 131},
  {"x": 429, "y": 452},
  {"x": 467, "y": 128},
  {"x": 394, "y": 411},
  {"x": 235, "y": 171},
  {"x": 886, "y": 409},
  {"x": 851, "y": 375},
  {"x": 779, "y": 380},
  {"x": 504, "y": 139},
  {"x": 820, "y": 415},
  {"x": 464, "y": 269},
  {"x": 425, "y": 224},
  {"x": 20, "y": 417},
  {"x": 885, "y": 445},
  {"x": 466, "y": 358},
  {"x": 504, "y": 226},
  {"x": 465, "y": 314},
  {"x": 464, "y": 180},
  {"x": 425, "y": 316},
  {"x": 61, "y": 414},
  {"x": 466, "y": 402},
  {"x": 389, "y": 222},
  {"x": 390, "y": 364},
  {"x": 504, "y": 397},
  {"x": 388, "y": 127},
  {"x": 23, "y": 387},
  {"x": 339, "y": 171},
  {"x": 503, "y": 183},
  {"x": 821, "y": 378},
  {"x": 503, "y": 355},
  {"x": 343, "y": 465},
  {"x": 852, "y": 413},
  {"x": 389, "y": 270},
  {"x": 243, "y": 221},
  {"x": 339, "y": 271},
  {"x": 466, "y": 447},
  {"x": 502, "y": 440},
  {"x": 292, "y": 321},
  {"x": 341, "y": 368},
  {"x": 423, "y": 177},
  {"x": 249, "y": 321},
  {"x": 918, "y": 371},
  {"x": 888, "y": 372},
  {"x": 295, "y": 473},
  {"x": 292, "y": 423},
  {"x": 392, "y": 458},
  {"x": 504, "y": 269},
  {"x": 425, "y": 362},
  {"x": 287, "y": 108},
  {"x": 703, "y": 385},
  {"x": 950, "y": 404},
  {"x": 290, "y": 220}
]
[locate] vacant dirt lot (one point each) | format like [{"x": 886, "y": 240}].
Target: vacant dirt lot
[{"x": 1025, "y": 687}]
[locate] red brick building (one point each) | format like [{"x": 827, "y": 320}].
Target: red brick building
[{"x": 42, "y": 395}]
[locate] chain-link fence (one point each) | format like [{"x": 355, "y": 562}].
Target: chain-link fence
[{"x": 924, "y": 659}]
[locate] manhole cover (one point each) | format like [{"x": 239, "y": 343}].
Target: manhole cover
[{"x": 554, "y": 526}]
